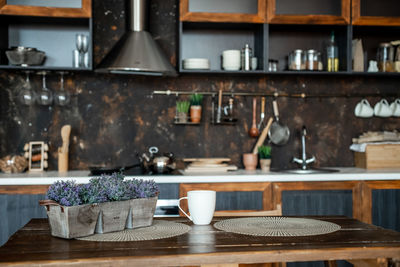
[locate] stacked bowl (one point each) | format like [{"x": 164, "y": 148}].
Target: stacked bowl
[
  {"x": 196, "y": 64},
  {"x": 231, "y": 60}
]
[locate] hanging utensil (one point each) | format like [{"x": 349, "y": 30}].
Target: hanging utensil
[
  {"x": 253, "y": 132},
  {"x": 262, "y": 137},
  {"x": 262, "y": 116},
  {"x": 219, "y": 106},
  {"x": 278, "y": 134}
]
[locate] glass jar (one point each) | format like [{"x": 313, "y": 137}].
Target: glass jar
[
  {"x": 272, "y": 65},
  {"x": 312, "y": 59},
  {"x": 297, "y": 60},
  {"x": 385, "y": 57}
]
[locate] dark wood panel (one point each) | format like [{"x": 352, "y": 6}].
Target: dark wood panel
[{"x": 385, "y": 210}]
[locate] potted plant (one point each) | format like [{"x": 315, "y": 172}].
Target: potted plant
[
  {"x": 265, "y": 157},
  {"x": 182, "y": 109},
  {"x": 195, "y": 107},
  {"x": 106, "y": 204}
]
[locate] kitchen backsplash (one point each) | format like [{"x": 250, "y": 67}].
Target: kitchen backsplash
[{"x": 115, "y": 116}]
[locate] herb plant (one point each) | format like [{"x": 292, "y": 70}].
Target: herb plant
[
  {"x": 264, "y": 152},
  {"x": 182, "y": 106},
  {"x": 105, "y": 188},
  {"x": 196, "y": 99}
]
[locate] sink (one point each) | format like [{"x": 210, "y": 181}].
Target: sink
[{"x": 310, "y": 171}]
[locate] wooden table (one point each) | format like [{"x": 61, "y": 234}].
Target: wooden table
[{"x": 33, "y": 245}]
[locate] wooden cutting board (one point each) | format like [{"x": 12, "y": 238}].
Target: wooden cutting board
[{"x": 207, "y": 160}]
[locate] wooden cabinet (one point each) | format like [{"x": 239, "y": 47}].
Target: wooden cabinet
[
  {"x": 207, "y": 28},
  {"x": 51, "y": 29},
  {"x": 83, "y": 9},
  {"x": 376, "y": 13},
  {"x": 330, "y": 12},
  {"x": 251, "y": 11}
]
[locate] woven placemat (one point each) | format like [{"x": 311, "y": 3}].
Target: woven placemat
[
  {"x": 158, "y": 230},
  {"x": 276, "y": 226}
]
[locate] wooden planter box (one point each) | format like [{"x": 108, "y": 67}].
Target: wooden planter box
[
  {"x": 378, "y": 157},
  {"x": 88, "y": 219}
]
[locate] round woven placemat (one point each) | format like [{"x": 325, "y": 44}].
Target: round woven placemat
[
  {"x": 158, "y": 230},
  {"x": 276, "y": 226}
]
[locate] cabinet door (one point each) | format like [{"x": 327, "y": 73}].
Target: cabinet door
[
  {"x": 308, "y": 12},
  {"x": 251, "y": 11},
  {"x": 378, "y": 13},
  {"x": 52, "y": 8}
]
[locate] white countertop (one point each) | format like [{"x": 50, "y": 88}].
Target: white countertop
[{"x": 345, "y": 174}]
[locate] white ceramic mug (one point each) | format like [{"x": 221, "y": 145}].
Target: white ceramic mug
[
  {"x": 363, "y": 109},
  {"x": 382, "y": 109},
  {"x": 395, "y": 108},
  {"x": 201, "y": 206}
]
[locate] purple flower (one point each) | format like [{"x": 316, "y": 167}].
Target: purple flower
[{"x": 101, "y": 189}]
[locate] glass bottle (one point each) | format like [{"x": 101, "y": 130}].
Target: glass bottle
[{"x": 332, "y": 55}]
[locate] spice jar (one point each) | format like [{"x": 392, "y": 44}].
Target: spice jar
[
  {"x": 297, "y": 60},
  {"x": 272, "y": 65},
  {"x": 385, "y": 57},
  {"x": 312, "y": 60}
]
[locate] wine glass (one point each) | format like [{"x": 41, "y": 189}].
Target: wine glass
[
  {"x": 27, "y": 96},
  {"x": 45, "y": 96},
  {"x": 85, "y": 48},
  {"x": 62, "y": 97}
]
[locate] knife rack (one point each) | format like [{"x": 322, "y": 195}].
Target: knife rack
[{"x": 37, "y": 154}]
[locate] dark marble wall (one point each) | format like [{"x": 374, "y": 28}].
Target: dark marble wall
[{"x": 115, "y": 116}]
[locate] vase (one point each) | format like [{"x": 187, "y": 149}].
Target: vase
[
  {"x": 250, "y": 161},
  {"x": 182, "y": 117},
  {"x": 84, "y": 220},
  {"x": 265, "y": 165},
  {"x": 195, "y": 113}
]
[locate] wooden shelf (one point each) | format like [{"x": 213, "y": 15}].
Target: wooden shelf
[
  {"x": 377, "y": 14},
  {"x": 25, "y": 10},
  {"x": 211, "y": 16},
  {"x": 292, "y": 16}
]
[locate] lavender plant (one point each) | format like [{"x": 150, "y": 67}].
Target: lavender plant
[
  {"x": 66, "y": 193},
  {"x": 101, "y": 189}
]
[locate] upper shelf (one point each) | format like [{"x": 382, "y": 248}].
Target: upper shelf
[
  {"x": 375, "y": 13},
  {"x": 32, "y": 9},
  {"x": 249, "y": 11},
  {"x": 333, "y": 12}
]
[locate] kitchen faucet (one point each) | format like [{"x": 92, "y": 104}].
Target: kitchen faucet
[{"x": 303, "y": 161}]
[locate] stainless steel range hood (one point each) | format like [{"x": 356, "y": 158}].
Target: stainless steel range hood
[{"x": 137, "y": 52}]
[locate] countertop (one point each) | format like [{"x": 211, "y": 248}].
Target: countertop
[{"x": 344, "y": 174}]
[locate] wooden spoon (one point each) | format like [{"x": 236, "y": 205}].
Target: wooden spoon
[
  {"x": 262, "y": 137},
  {"x": 65, "y": 132},
  {"x": 253, "y": 132}
]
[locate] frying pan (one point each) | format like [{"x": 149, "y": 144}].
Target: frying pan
[
  {"x": 104, "y": 170},
  {"x": 278, "y": 133}
]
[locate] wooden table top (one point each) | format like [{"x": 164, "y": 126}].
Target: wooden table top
[{"x": 33, "y": 245}]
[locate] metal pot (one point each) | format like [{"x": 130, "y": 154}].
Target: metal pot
[{"x": 153, "y": 163}]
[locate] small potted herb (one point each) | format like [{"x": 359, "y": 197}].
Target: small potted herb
[
  {"x": 106, "y": 204},
  {"x": 265, "y": 157},
  {"x": 182, "y": 109},
  {"x": 195, "y": 107}
]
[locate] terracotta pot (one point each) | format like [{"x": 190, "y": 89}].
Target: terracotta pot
[
  {"x": 250, "y": 161},
  {"x": 182, "y": 117},
  {"x": 265, "y": 164},
  {"x": 195, "y": 114}
]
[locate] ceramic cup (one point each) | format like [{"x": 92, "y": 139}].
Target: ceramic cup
[
  {"x": 201, "y": 206},
  {"x": 250, "y": 161},
  {"x": 382, "y": 109},
  {"x": 395, "y": 108},
  {"x": 231, "y": 59},
  {"x": 254, "y": 63},
  {"x": 363, "y": 109}
]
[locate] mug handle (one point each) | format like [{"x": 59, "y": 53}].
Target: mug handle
[{"x": 179, "y": 206}]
